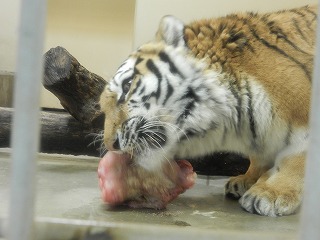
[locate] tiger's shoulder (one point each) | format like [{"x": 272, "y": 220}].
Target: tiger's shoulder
[{"x": 228, "y": 42}]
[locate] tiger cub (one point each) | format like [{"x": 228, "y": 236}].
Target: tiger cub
[{"x": 239, "y": 83}]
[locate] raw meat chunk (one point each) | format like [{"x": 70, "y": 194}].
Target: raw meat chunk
[{"x": 123, "y": 182}]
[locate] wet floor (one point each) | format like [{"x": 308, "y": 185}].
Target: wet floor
[{"x": 67, "y": 190}]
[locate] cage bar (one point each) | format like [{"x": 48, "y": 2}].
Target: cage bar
[{"x": 25, "y": 133}]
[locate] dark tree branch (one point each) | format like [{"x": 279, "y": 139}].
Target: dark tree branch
[
  {"x": 60, "y": 133},
  {"x": 77, "y": 89}
]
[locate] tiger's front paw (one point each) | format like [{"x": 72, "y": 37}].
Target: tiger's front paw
[
  {"x": 237, "y": 186},
  {"x": 270, "y": 201}
]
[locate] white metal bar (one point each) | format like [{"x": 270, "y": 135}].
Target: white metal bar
[
  {"x": 310, "y": 216},
  {"x": 25, "y": 133}
]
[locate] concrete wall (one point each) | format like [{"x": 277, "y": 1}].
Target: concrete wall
[
  {"x": 99, "y": 33},
  {"x": 9, "y": 17}
]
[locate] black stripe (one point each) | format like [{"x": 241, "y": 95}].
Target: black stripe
[
  {"x": 276, "y": 30},
  {"x": 241, "y": 40},
  {"x": 284, "y": 37},
  {"x": 298, "y": 13},
  {"x": 136, "y": 71},
  {"x": 311, "y": 12},
  {"x": 288, "y": 136},
  {"x": 142, "y": 90},
  {"x": 145, "y": 101},
  {"x": 298, "y": 29},
  {"x": 250, "y": 112},
  {"x": 122, "y": 64},
  {"x": 152, "y": 67},
  {"x": 239, "y": 103},
  {"x": 188, "y": 109},
  {"x": 173, "y": 69},
  {"x": 309, "y": 23},
  {"x": 222, "y": 27},
  {"x": 280, "y": 51},
  {"x": 190, "y": 93},
  {"x": 189, "y": 133},
  {"x": 137, "y": 86},
  {"x": 169, "y": 92},
  {"x": 121, "y": 73},
  {"x": 115, "y": 83},
  {"x": 213, "y": 125},
  {"x": 121, "y": 99},
  {"x": 303, "y": 18},
  {"x": 139, "y": 60},
  {"x": 235, "y": 36},
  {"x": 191, "y": 98}
]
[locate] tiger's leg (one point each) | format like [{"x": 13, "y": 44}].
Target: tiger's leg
[
  {"x": 237, "y": 186},
  {"x": 279, "y": 190}
]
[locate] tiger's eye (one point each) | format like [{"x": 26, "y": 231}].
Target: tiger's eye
[{"x": 126, "y": 87}]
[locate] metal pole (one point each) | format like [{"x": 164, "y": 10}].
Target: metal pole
[
  {"x": 25, "y": 133},
  {"x": 310, "y": 216}
]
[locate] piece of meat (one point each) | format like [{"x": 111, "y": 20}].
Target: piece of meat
[{"x": 123, "y": 182}]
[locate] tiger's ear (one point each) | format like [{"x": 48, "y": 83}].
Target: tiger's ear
[{"x": 171, "y": 31}]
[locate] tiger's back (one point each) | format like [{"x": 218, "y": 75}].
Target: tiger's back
[{"x": 270, "y": 47}]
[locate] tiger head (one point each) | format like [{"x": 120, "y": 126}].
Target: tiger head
[{"x": 150, "y": 102}]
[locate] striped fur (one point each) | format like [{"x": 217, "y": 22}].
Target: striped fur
[{"x": 239, "y": 83}]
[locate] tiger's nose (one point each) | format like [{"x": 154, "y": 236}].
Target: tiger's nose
[
  {"x": 116, "y": 144},
  {"x": 113, "y": 145}
]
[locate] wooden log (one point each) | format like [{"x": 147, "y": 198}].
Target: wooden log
[
  {"x": 60, "y": 133},
  {"x": 77, "y": 89},
  {"x": 5, "y": 126}
]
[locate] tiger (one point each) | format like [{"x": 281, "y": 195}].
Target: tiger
[{"x": 239, "y": 83}]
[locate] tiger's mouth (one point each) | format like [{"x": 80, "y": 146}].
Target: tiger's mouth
[
  {"x": 153, "y": 138},
  {"x": 138, "y": 135}
]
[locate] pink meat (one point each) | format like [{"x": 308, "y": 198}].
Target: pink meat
[{"x": 123, "y": 182}]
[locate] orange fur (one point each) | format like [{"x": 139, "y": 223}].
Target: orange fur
[
  {"x": 243, "y": 44},
  {"x": 115, "y": 117}
]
